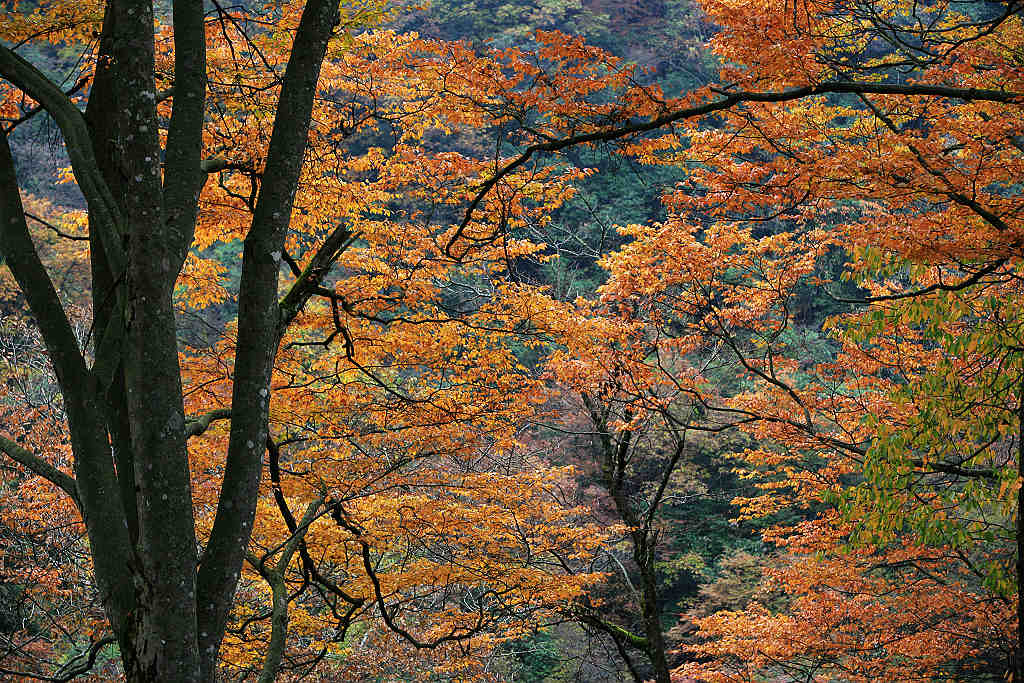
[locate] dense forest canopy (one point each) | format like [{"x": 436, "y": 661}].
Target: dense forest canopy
[{"x": 540, "y": 340}]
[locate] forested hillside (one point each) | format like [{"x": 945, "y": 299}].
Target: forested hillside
[{"x": 553, "y": 340}]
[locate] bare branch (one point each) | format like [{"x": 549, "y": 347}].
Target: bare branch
[
  {"x": 51, "y": 226},
  {"x": 729, "y": 99},
  {"x": 69, "y": 673}
]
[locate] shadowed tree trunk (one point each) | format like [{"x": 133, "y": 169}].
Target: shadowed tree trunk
[{"x": 126, "y": 411}]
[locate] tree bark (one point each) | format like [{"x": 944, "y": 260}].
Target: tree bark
[
  {"x": 1018, "y": 659},
  {"x": 258, "y": 330},
  {"x": 160, "y": 639},
  {"x": 126, "y": 412},
  {"x": 95, "y": 479},
  {"x": 614, "y": 455}
]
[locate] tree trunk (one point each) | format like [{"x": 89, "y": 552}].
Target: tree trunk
[
  {"x": 126, "y": 412},
  {"x": 614, "y": 457},
  {"x": 656, "y": 649},
  {"x": 1018, "y": 659},
  {"x": 259, "y": 332}
]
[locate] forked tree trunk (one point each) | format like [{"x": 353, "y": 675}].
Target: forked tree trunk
[{"x": 125, "y": 413}]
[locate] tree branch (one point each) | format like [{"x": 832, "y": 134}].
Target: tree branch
[
  {"x": 102, "y": 206},
  {"x": 97, "y": 484},
  {"x": 218, "y": 164},
  {"x": 38, "y": 108},
  {"x": 194, "y": 426},
  {"x": 258, "y": 326},
  {"x": 728, "y": 100},
  {"x": 309, "y": 566},
  {"x": 967, "y": 472},
  {"x": 952, "y": 192},
  {"x": 40, "y": 467},
  {"x": 183, "y": 177},
  {"x": 937, "y": 287},
  {"x": 54, "y": 228},
  {"x": 72, "y": 673},
  {"x": 21, "y": 257},
  {"x": 280, "y": 597},
  {"x": 312, "y": 276},
  {"x": 616, "y": 632}
]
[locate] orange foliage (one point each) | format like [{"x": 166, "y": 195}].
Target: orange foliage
[
  {"x": 902, "y": 448},
  {"x": 402, "y": 506},
  {"x": 398, "y": 401}
]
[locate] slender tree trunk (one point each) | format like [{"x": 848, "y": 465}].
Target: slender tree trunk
[
  {"x": 259, "y": 327},
  {"x": 95, "y": 487},
  {"x": 656, "y": 648},
  {"x": 614, "y": 456},
  {"x": 1018, "y": 663},
  {"x": 144, "y": 408},
  {"x": 278, "y": 629}
]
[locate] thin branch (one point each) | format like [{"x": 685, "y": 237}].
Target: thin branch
[
  {"x": 51, "y": 226},
  {"x": 452, "y": 637},
  {"x": 84, "y": 667},
  {"x": 937, "y": 287},
  {"x": 969, "y": 472},
  {"x": 729, "y": 100},
  {"x": 616, "y": 632},
  {"x": 952, "y": 192}
]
